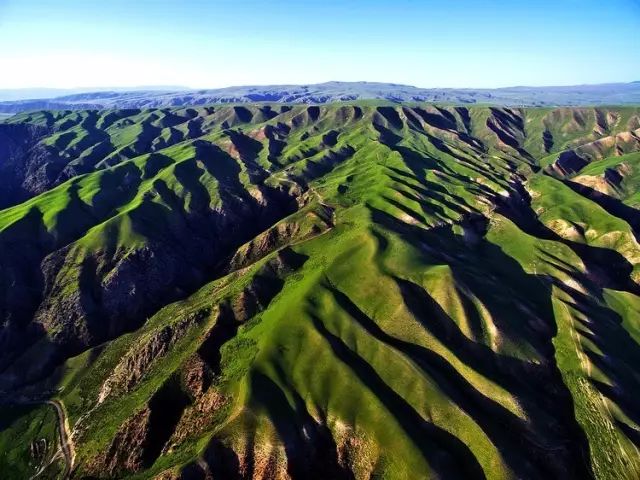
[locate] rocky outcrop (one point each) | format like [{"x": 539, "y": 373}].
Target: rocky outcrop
[
  {"x": 135, "y": 364},
  {"x": 126, "y": 451},
  {"x": 196, "y": 376},
  {"x": 90, "y": 297},
  {"x": 197, "y": 417},
  {"x": 23, "y": 165},
  {"x": 292, "y": 230}
]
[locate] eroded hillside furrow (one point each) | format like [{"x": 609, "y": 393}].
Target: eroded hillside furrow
[
  {"x": 507, "y": 432},
  {"x": 340, "y": 291},
  {"x": 604, "y": 266},
  {"x": 611, "y": 204},
  {"x": 186, "y": 402}
]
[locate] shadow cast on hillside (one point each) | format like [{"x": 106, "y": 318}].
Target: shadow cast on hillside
[
  {"x": 616, "y": 353},
  {"x": 553, "y": 441},
  {"x": 309, "y": 446}
]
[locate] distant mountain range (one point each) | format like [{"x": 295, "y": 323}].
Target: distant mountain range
[
  {"x": 13, "y": 94},
  {"x": 147, "y": 97}
]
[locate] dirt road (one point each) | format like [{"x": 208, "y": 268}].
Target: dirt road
[{"x": 66, "y": 444}]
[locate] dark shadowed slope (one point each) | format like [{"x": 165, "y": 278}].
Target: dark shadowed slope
[{"x": 342, "y": 291}]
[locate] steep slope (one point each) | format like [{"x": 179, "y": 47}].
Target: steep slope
[{"x": 342, "y": 291}]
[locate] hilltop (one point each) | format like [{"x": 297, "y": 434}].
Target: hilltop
[{"x": 321, "y": 291}]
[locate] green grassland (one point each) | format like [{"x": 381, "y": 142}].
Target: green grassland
[
  {"x": 28, "y": 442},
  {"x": 346, "y": 291}
]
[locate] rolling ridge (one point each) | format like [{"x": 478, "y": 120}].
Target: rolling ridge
[{"x": 335, "y": 291}]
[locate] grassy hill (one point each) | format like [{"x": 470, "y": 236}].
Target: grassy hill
[{"x": 335, "y": 291}]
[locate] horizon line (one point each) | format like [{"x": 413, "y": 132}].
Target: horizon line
[{"x": 175, "y": 88}]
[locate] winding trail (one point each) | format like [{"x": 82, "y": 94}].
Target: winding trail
[
  {"x": 64, "y": 432},
  {"x": 66, "y": 444}
]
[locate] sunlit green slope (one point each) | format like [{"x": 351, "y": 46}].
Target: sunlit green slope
[{"x": 345, "y": 291}]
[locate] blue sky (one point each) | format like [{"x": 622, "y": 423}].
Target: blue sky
[{"x": 215, "y": 43}]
